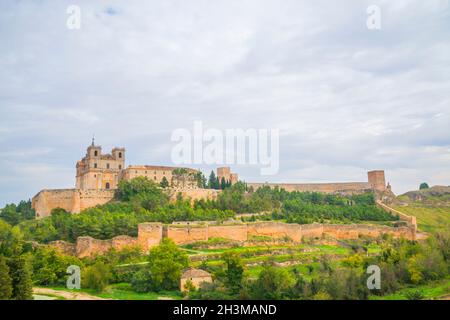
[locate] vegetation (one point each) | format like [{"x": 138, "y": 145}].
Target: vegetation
[
  {"x": 14, "y": 214},
  {"x": 423, "y": 185},
  {"x": 163, "y": 271}
]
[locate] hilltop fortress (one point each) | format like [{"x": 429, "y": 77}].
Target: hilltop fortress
[{"x": 98, "y": 175}]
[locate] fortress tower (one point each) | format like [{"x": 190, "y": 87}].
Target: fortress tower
[
  {"x": 225, "y": 172},
  {"x": 376, "y": 180},
  {"x": 100, "y": 171}
]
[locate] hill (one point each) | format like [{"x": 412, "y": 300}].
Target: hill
[{"x": 431, "y": 206}]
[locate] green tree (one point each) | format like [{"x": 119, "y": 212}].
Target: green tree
[
  {"x": 423, "y": 185},
  {"x": 201, "y": 180},
  {"x": 164, "y": 183},
  {"x": 97, "y": 276},
  {"x": 223, "y": 183},
  {"x": 166, "y": 263},
  {"x": 143, "y": 192},
  {"x": 6, "y": 288},
  {"x": 234, "y": 271},
  {"x": 272, "y": 283},
  {"x": 212, "y": 180},
  {"x": 20, "y": 271}
]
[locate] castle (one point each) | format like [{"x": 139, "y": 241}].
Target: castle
[
  {"x": 97, "y": 171},
  {"x": 98, "y": 175}
]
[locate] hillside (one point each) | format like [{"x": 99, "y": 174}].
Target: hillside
[{"x": 431, "y": 207}]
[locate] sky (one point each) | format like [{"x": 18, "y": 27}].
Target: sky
[{"x": 345, "y": 98}]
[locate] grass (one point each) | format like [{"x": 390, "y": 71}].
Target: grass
[
  {"x": 431, "y": 290},
  {"x": 123, "y": 291},
  {"x": 429, "y": 219}
]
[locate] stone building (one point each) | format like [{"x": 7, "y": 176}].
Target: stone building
[
  {"x": 99, "y": 171},
  {"x": 195, "y": 276}
]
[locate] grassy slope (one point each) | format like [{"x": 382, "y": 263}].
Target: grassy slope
[{"x": 429, "y": 219}]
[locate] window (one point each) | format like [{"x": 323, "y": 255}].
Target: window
[
  {"x": 120, "y": 154},
  {"x": 95, "y": 153},
  {"x": 120, "y": 167},
  {"x": 145, "y": 172},
  {"x": 107, "y": 185},
  {"x": 107, "y": 166},
  {"x": 95, "y": 165},
  {"x": 154, "y": 178}
]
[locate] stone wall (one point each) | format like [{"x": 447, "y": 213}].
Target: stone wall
[
  {"x": 344, "y": 187},
  {"x": 314, "y": 230},
  {"x": 71, "y": 200},
  {"x": 76, "y": 200},
  {"x": 410, "y": 220},
  {"x": 275, "y": 230},
  {"x": 187, "y": 234},
  {"x": 232, "y": 232},
  {"x": 151, "y": 234}
]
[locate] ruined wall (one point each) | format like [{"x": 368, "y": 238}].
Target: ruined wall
[
  {"x": 232, "y": 232},
  {"x": 340, "y": 231},
  {"x": 63, "y": 247},
  {"x": 71, "y": 200},
  {"x": 310, "y": 231},
  {"x": 344, "y": 187},
  {"x": 410, "y": 220},
  {"x": 149, "y": 235},
  {"x": 275, "y": 230},
  {"x": 187, "y": 234},
  {"x": 88, "y": 246}
]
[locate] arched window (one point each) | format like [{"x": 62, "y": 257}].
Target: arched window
[
  {"x": 95, "y": 165},
  {"x": 95, "y": 153},
  {"x": 107, "y": 185},
  {"x": 120, "y": 167},
  {"x": 107, "y": 166},
  {"x": 120, "y": 154}
]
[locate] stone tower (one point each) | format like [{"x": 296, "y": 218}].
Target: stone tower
[
  {"x": 376, "y": 180},
  {"x": 100, "y": 171},
  {"x": 225, "y": 172}
]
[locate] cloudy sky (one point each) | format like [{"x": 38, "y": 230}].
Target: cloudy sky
[{"x": 345, "y": 99}]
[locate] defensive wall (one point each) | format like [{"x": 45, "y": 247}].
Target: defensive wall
[
  {"x": 76, "y": 200},
  {"x": 71, "y": 200},
  {"x": 342, "y": 187},
  {"x": 150, "y": 234}
]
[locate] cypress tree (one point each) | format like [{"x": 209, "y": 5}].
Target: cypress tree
[
  {"x": 223, "y": 183},
  {"x": 21, "y": 278},
  {"x": 5, "y": 280}
]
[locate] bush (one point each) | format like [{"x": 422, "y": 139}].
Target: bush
[
  {"x": 415, "y": 294},
  {"x": 96, "y": 277}
]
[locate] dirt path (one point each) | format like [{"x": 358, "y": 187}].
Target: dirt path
[{"x": 69, "y": 295}]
